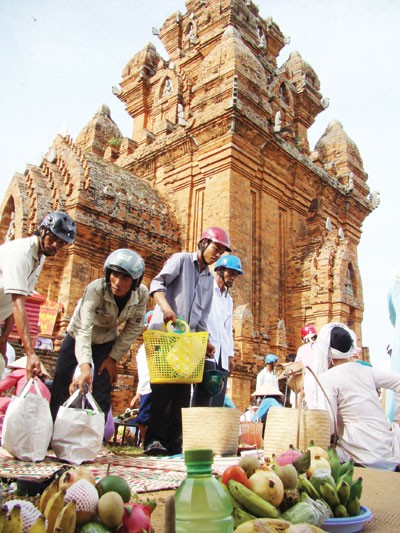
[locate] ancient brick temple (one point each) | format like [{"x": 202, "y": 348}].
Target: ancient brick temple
[{"x": 219, "y": 138}]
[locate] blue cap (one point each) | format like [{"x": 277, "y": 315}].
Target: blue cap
[{"x": 270, "y": 358}]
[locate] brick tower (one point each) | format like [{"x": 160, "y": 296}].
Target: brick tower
[
  {"x": 220, "y": 138},
  {"x": 222, "y": 131}
]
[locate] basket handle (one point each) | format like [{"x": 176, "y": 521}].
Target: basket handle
[
  {"x": 180, "y": 327},
  {"x": 301, "y": 405}
]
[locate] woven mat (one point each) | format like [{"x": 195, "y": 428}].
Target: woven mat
[
  {"x": 143, "y": 474},
  {"x": 381, "y": 491}
]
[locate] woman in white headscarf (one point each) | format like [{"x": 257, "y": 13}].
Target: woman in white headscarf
[{"x": 364, "y": 434}]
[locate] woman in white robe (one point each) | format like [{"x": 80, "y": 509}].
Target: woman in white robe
[{"x": 364, "y": 434}]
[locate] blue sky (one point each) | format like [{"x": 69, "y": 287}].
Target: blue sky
[{"x": 60, "y": 58}]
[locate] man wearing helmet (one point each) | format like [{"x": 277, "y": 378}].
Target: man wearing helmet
[
  {"x": 267, "y": 374},
  {"x": 21, "y": 261},
  {"x": 184, "y": 289},
  {"x": 306, "y": 354},
  {"x": 219, "y": 325},
  {"x": 94, "y": 339}
]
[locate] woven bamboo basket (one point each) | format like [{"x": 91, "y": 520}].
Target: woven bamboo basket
[
  {"x": 216, "y": 428},
  {"x": 281, "y": 429},
  {"x": 251, "y": 434}
]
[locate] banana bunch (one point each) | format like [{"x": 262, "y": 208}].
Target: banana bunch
[
  {"x": 56, "y": 515},
  {"x": 11, "y": 522},
  {"x": 247, "y": 505},
  {"x": 344, "y": 495}
]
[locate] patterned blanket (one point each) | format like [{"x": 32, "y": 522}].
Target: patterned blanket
[{"x": 143, "y": 474}]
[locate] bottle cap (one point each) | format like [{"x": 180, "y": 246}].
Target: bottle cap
[{"x": 198, "y": 456}]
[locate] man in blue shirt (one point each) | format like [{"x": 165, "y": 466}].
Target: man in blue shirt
[
  {"x": 220, "y": 328},
  {"x": 184, "y": 289}
]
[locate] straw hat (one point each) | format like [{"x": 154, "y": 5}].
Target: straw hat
[
  {"x": 21, "y": 363},
  {"x": 268, "y": 389}
]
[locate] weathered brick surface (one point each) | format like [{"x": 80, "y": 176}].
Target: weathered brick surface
[{"x": 220, "y": 138}]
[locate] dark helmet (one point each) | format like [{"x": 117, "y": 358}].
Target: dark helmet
[
  {"x": 229, "y": 261},
  {"x": 61, "y": 225},
  {"x": 128, "y": 262},
  {"x": 217, "y": 235}
]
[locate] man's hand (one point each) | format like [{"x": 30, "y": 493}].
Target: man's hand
[
  {"x": 135, "y": 401},
  {"x": 33, "y": 368},
  {"x": 210, "y": 351},
  {"x": 85, "y": 377},
  {"x": 231, "y": 364},
  {"x": 161, "y": 300},
  {"x": 169, "y": 315},
  {"x": 110, "y": 365}
]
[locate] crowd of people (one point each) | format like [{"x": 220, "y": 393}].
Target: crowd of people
[{"x": 111, "y": 315}]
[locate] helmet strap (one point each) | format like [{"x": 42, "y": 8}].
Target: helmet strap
[
  {"x": 220, "y": 273},
  {"x": 202, "y": 248},
  {"x": 42, "y": 234}
]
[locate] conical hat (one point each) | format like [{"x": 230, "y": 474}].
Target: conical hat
[
  {"x": 21, "y": 363},
  {"x": 268, "y": 389}
]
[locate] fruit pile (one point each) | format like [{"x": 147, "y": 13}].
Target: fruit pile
[
  {"x": 292, "y": 488},
  {"x": 76, "y": 503}
]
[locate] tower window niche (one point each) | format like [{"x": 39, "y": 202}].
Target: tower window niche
[
  {"x": 349, "y": 282},
  {"x": 166, "y": 87},
  {"x": 283, "y": 94}
]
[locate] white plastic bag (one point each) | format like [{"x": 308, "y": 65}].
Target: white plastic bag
[
  {"x": 28, "y": 425},
  {"x": 78, "y": 431}
]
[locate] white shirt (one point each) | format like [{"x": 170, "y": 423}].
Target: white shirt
[
  {"x": 143, "y": 372},
  {"x": 306, "y": 354},
  {"x": 10, "y": 353},
  {"x": 219, "y": 325},
  {"x": 265, "y": 377},
  {"x": 365, "y": 434},
  {"x": 20, "y": 267}
]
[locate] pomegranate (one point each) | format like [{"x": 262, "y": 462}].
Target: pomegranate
[{"x": 75, "y": 474}]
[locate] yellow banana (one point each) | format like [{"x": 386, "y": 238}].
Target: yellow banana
[
  {"x": 356, "y": 489},
  {"x": 343, "y": 490},
  {"x": 340, "y": 511},
  {"x": 66, "y": 519},
  {"x": 329, "y": 494},
  {"x": 47, "y": 494},
  {"x": 240, "y": 516},
  {"x": 304, "y": 484},
  {"x": 53, "y": 508},
  {"x": 13, "y": 522},
  {"x": 39, "y": 526},
  {"x": 253, "y": 503},
  {"x": 353, "y": 507},
  {"x": 3, "y": 514}
]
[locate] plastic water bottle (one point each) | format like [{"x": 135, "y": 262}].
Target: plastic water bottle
[{"x": 201, "y": 504}]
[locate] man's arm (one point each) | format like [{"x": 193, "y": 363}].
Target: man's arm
[
  {"x": 22, "y": 323},
  {"x": 161, "y": 300},
  {"x": 8, "y": 324}
]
